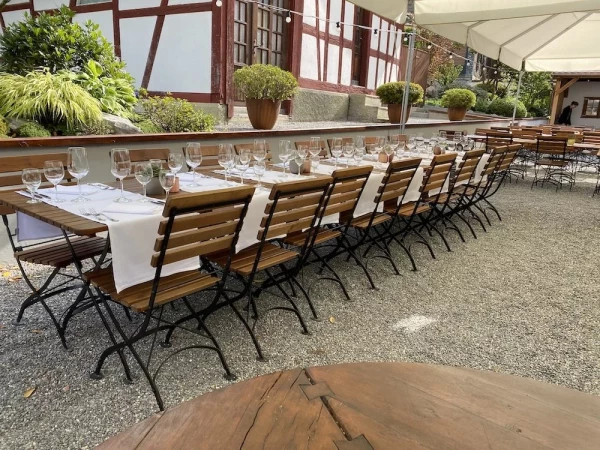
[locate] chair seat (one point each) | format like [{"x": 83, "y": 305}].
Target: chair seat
[
  {"x": 408, "y": 209},
  {"x": 137, "y": 297},
  {"x": 362, "y": 222},
  {"x": 442, "y": 198},
  {"x": 242, "y": 262},
  {"x": 58, "y": 253},
  {"x": 323, "y": 235}
]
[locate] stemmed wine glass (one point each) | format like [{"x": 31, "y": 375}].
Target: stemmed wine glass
[
  {"x": 284, "y": 153},
  {"x": 167, "y": 181},
  {"x": 314, "y": 163},
  {"x": 193, "y": 157},
  {"x": 120, "y": 167},
  {"x": 32, "y": 178},
  {"x": 359, "y": 154},
  {"x": 176, "y": 161},
  {"x": 336, "y": 149},
  {"x": 78, "y": 166},
  {"x": 315, "y": 146},
  {"x": 143, "y": 173},
  {"x": 259, "y": 170},
  {"x": 359, "y": 144},
  {"x": 348, "y": 153},
  {"x": 299, "y": 156},
  {"x": 242, "y": 163},
  {"x": 54, "y": 172},
  {"x": 260, "y": 150},
  {"x": 388, "y": 149},
  {"x": 226, "y": 159}
]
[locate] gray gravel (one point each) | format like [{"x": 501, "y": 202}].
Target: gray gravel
[{"x": 522, "y": 299}]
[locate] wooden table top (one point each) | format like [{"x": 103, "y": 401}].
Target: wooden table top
[{"x": 385, "y": 406}]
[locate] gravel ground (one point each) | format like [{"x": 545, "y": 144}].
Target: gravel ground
[{"x": 522, "y": 299}]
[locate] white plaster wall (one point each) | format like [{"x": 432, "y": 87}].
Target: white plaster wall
[
  {"x": 398, "y": 47},
  {"x": 185, "y": 2},
  {"x": 136, "y": 37},
  {"x": 184, "y": 64},
  {"x": 380, "y": 73},
  {"x": 40, "y": 5},
  {"x": 346, "y": 67},
  {"x": 372, "y": 74},
  {"x": 103, "y": 18},
  {"x": 322, "y": 49},
  {"x": 335, "y": 15},
  {"x": 349, "y": 18},
  {"x": 376, "y": 24},
  {"x": 322, "y": 14},
  {"x": 308, "y": 63},
  {"x": 394, "y": 75},
  {"x": 309, "y": 13},
  {"x": 17, "y": 2},
  {"x": 383, "y": 39},
  {"x": 333, "y": 63},
  {"x": 577, "y": 93},
  {"x": 13, "y": 16},
  {"x": 137, "y": 4}
]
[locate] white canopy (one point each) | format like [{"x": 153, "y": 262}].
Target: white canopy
[
  {"x": 539, "y": 35},
  {"x": 391, "y": 9}
]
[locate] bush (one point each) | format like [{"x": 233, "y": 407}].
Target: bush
[
  {"x": 447, "y": 73},
  {"x": 479, "y": 93},
  {"x": 148, "y": 127},
  {"x": 116, "y": 95},
  {"x": 393, "y": 93},
  {"x": 458, "y": 98},
  {"x": 54, "y": 41},
  {"x": 32, "y": 129},
  {"x": 48, "y": 99},
  {"x": 175, "y": 115},
  {"x": 260, "y": 81},
  {"x": 433, "y": 102},
  {"x": 4, "y": 128},
  {"x": 482, "y": 105},
  {"x": 505, "y": 106}
]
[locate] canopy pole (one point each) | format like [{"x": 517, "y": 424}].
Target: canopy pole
[
  {"x": 409, "y": 66},
  {"x": 512, "y": 122}
]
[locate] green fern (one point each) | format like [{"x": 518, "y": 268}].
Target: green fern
[{"x": 49, "y": 99}]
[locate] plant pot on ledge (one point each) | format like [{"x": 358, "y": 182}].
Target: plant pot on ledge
[
  {"x": 395, "y": 113},
  {"x": 456, "y": 114},
  {"x": 263, "y": 113}
]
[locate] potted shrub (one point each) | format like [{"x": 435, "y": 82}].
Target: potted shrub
[
  {"x": 264, "y": 87},
  {"x": 458, "y": 101},
  {"x": 392, "y": 95}
]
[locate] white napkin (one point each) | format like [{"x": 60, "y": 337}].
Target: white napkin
[
  {"x": 133, "y": 208},
  {"x": 204, "y": 183},
  {"x": 86, "y": 189}
]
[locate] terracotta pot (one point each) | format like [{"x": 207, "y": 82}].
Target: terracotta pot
[
  {"x": 456, "y": 114},
  {"x": 395, "y": 113},
  {"x": 263, "y": 113}
]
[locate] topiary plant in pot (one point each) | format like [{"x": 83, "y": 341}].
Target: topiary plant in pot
[
  {"x": 392, "y": 95},
  {"x": 458, "y": 101},
  {"x": 264, "y": 87}
]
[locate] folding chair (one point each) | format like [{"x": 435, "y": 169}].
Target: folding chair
[
  {"x": 294, "y": 206},
  {"x": 342, "y": 198},
  {"x": 58, "y": 253},
  {"x": 194, "y": 225},
  {"x": 495, "y": 139},
  {"x": 552, "y": 157}
]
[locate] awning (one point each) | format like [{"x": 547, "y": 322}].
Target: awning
[{"x": 391, "y": 9}]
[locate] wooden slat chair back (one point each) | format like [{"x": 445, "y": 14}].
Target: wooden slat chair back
[
  {"x": 509, "y": 157},
  {"x": 240, "y": 147},
  {"x": 437, "y": 174},
  {"x": 146, "y": 154},
  {"x": 12, "y": 166},
  {"x": 467, "y": 168},
  {"x": 497, "y": 138},
  {"x": 553, "y": 146},
  {"x": 322, "y": 144},
  {"x": 345, "y": 191},
  {"x": 210, "y": 156},
  {"x": 503, "y": 129},
  {"x": 482, "y": 131},
  {"x": 493, "y": 162},
  {"x": 345, "y": 141},
  {"x": 450, "y": 133},
  {"x": 591, "y": 137},
  {"x": 395, "y": 184}
]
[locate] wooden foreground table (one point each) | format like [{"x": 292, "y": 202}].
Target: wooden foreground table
[{"x": 375, "y": 406}]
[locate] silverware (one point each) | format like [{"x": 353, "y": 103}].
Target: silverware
[
  {"x": 97, "y": 214},
  {"x": 93, "y": 213}
]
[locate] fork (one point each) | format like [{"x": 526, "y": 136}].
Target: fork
[{"x": 97, "y": 214}]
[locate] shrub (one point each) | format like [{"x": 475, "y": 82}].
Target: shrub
[
  {"x": 505, "y": 106},
  {"x": 54, "y": 41},
  {"x": 393, "y": 93},
  {"x": 32, "y": 129},
  {"x": 479, "y": 93},
  {"x": 4, "y": 128},
  {"x": 433, "y": 102},
  {"x": 175, "y": 115},
  {"x": 148, "y": 127},
  {"x": 447, "y": 73},
  {"x": 116, "y": 95},
  {"x": 261, "y": 81},
  {"x": 482, "y": 105},
  {"x": 48, "y": 99},
  {"x": 458, "y": 98}
]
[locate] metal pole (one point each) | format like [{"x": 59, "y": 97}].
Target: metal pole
[
  {"x": 409, "y": 66},
  {"x": 512, "y": 122}
]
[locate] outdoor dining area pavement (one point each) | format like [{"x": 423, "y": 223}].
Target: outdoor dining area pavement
[{"x": 437, "y": 256}]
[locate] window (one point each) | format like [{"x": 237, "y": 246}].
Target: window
[
  {"x": 91, "y": 2},
  {"x": 591, "y": 107}
]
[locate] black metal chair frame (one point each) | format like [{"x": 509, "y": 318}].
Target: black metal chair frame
[{"x": 554, "y": 174}]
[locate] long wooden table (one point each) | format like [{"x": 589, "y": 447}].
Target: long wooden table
[{"x": 382, "y": 406}]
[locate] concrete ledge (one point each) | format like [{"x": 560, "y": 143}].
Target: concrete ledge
[{"x": 312, "y": 105}]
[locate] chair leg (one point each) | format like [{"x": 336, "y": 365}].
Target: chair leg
[{"x": 293, "y": 308}]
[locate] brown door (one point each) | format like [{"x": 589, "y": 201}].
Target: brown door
[{"x": 261, "y": 35}]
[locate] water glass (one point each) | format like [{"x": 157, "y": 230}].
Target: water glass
[
  {"x": 32, "y": 178},
  {"x": 167, "y": 181},
  {"x": 193, "y": 157},
  {"x": 314, "y": 163},
  {"x": 226, "y": 159},
  {"x": 120, "y": 167},
  {"x": 242, "y": 162},
  {"x": 348, "y": 153},
  {"x": 359, "y": 154},
  {"x": 78, "y": 166},
  {"x": 54, "y": 172},
  {"x": 284, "y": 153},
  {"x": 337, "y": 149},
  {"x": 315, "y": 146},
  {"x": 175, "y": 162},
  {"x": 260, "y": 149},
  {"x": 143, "y": 174},
  {"x": 259, "y": 170}
]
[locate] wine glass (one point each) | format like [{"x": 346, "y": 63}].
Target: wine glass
[
  {"x": 336, "y": 149},
  {"x": 176, "y": 161},
  {"x": 314, "y": 163},
  {"x": 284, "y": 153},
  {"x": 78, "y": 166},
  {"x": 260, "y": 150},
  {"x": 315, "y": 146},
  {"x": 299, "y": 158},
  {"x": 193, "y": 157},
  {"x": 225, "y": 159},
  {"x": 54, "y": 172},
  {"x": 348, "y": 153},
  {"x": 378, "y": 151},
  {"x": 259, "y": 170},
  {"x": 359, "y": 154},
  {"x": 243, "y": 162},
  {"x": 167, "y": 181},
  {"x": 388, "y": 149},
  {"x": 120, "y": 167},
  {"x": 32, "y": 178},
  {"x": 303, "y": 151},
  {"x": 143, "y": 174},
  {"x": 359, "y": 143}
]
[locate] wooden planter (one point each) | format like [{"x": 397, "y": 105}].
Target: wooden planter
[
  {"x": 456, "y": 114},
  {"x": 395, "y": 113},
  {"x": 263, "y": 113}
]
